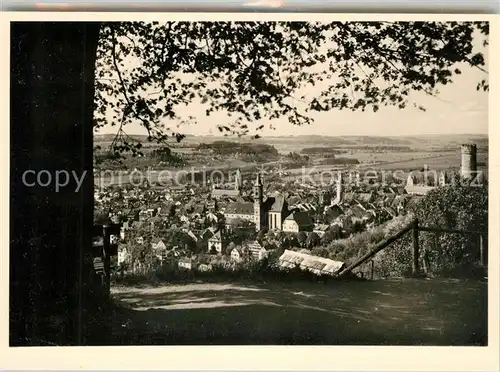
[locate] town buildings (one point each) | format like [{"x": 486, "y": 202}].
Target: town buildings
[{"x": 206, "y": 220}]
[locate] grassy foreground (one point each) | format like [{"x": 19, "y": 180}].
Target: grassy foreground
[{"x": 389, "y": 312}]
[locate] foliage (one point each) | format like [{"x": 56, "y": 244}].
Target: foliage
[
  {"x": 301, "y": 238},
  {"x": 101, "y": 217},
  {"x": 140, "y": 253},
  {"x": 395, "y": 260},
  {"x": 339, "y": 161},
  {"x": 167, "y": 156},
  {"x": 332, "y": 233},
  {"x": 241, "y": 230},
  {"x": 312, "y": 240},
  {"x": 297, "y": 159},
  {"x": 261, "y": 235},
  {"x": 321, "y": 151},
  {"x": 231, "y": 148},
  {"x": 460, "y": 207},
  {"x": 222, "y": 268},
  {"x": 147, "y": 72}
]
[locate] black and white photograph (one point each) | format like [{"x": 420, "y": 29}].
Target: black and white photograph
[{"x": 249, "y": 182}]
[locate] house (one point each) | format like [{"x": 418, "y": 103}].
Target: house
[
  {"x": 357, "y": 213},
  {"x": 216, "y": 243},
  {"x": 237, "y": 254},
  {"x": 298, "y": 221},
  {"x": 333, "y": 212},
  {"x": 344, "y": 222},
  {"x": 146, "y": 214},
  {"x": 159, "y": 249},
  {"x": 349, "y": 197},
  {"x": 235, "y": 192},
  {"x": 218, "y": 193},
  {"x": 236, "y": 210},
  {"x": 158, "y": 244},
  {"x": 125, "y": 227},
  {"x": 123, "y": 255},
  {"x": 418, "y": 183},
  {"x": 204, "y": 267},
  {"x": 256, "y": 251},
  {"x": 187, "y": 263},
  {"x": 365, "y": 197},
  {"x": 418, "y": 189}
]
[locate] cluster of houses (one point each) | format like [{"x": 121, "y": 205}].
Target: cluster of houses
[{"x": 207, "y": 215}]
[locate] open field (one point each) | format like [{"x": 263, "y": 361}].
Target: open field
[
  {"x": 435, "y": 152},
  {"x": 395, "y": 312},
  {"x": 287, "y": 144}
]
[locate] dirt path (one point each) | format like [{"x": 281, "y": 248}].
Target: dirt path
[{"x": 407, "y": 312}]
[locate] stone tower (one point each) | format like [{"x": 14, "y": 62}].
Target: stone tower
[
  {"x": 258, "y": 196},
  {"x": 237, "y": 181},
  {"x": 468, "y": 167}
]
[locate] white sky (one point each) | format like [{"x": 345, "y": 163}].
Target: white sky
[{"x": 458, "y": 109}]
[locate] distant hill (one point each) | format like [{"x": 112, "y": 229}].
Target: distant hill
[{"x": 302, "y": 141}]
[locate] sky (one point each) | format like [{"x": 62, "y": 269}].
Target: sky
[{"x": 458, "y": 109}]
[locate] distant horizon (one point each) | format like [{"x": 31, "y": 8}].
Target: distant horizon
[{"x": 316, "y": 135}]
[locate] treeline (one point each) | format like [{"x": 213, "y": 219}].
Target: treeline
[
  {"x": 380, "y": 148},
  {"x": 345, "y": 149},
  {"x": 339, "y": 161},
  {"x": 235, "y": 148},
  {"x": 321, "y": 150},
  {"x": 168, "y": 157},
  {"x": 157, "y": 158}
]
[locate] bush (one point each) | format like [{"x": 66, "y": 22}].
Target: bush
[
  {"x": 222, "y": 268},
  {"x": 458, "y": 207}
]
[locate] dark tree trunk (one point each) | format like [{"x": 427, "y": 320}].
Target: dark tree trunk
[{"x": 52, "y": 89}]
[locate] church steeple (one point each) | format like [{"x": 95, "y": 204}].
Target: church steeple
[
  {"x": 237, "y": 181},
  {"x": 258, "y": 195},
  {"x": 339, "y": 191},
  {"x": 258, "y": 180},
  {"x": 258, "y": 189}
]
